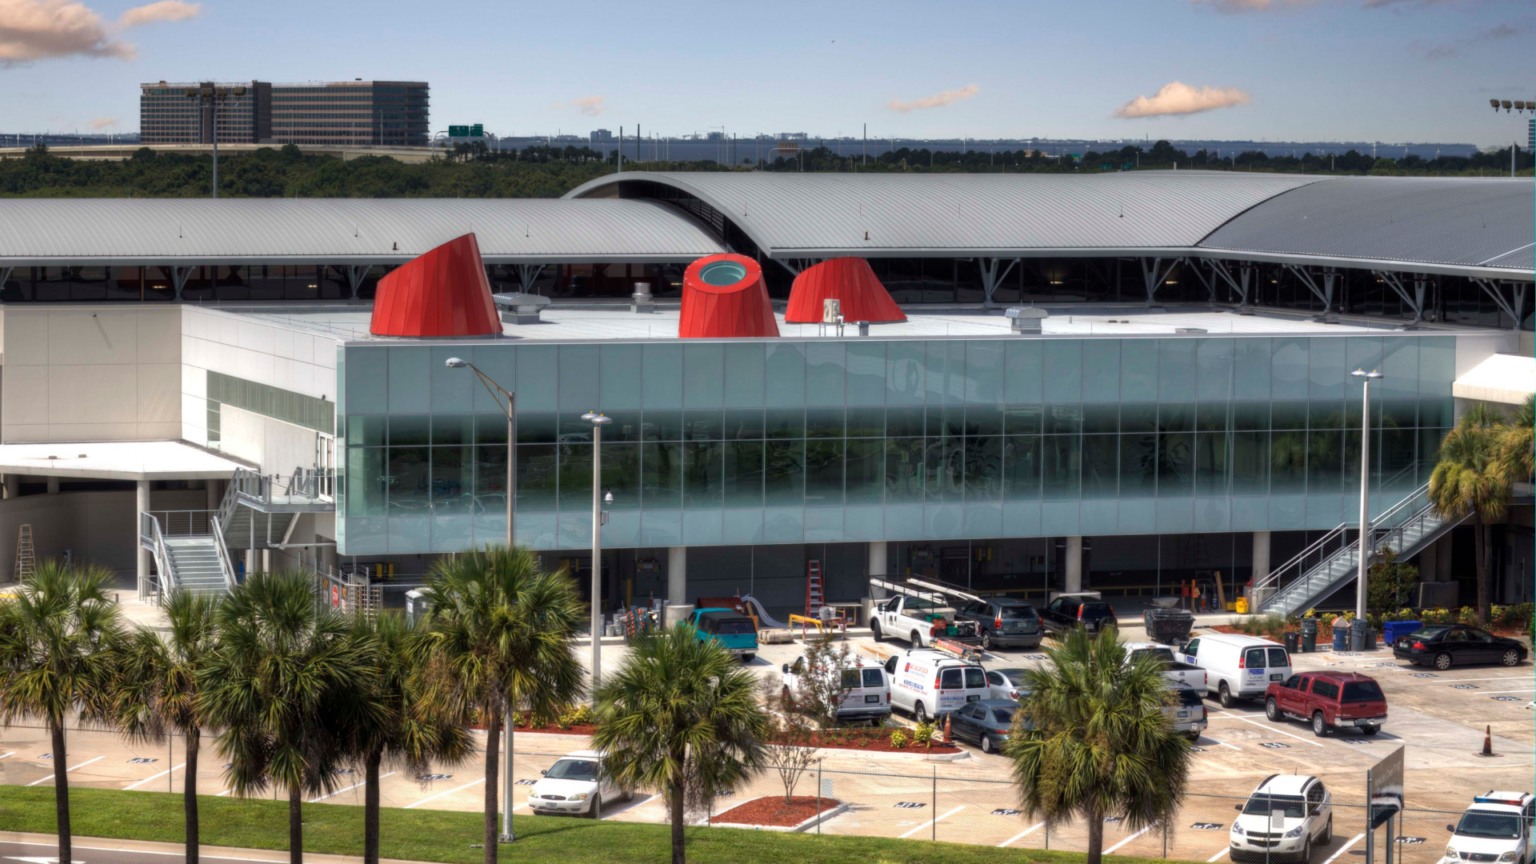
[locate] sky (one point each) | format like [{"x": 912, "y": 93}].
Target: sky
[{"x": 1277, "y": 70}]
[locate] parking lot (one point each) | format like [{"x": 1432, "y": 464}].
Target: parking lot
[{"x": 1438, "y": 716}]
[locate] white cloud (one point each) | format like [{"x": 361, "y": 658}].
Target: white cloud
[
  {"x": 1253, "y": 5},
  {"x": 589, "y": 105},
  {"x": 103, "y": 123},
  {"x": 164, "y": 10},
  {"x": 46, "y": 29},
  {"x": 938, "y": 100},
  {"x": 1176, "y": 98}
]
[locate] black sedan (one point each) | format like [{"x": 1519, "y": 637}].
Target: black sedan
[
  {"x": 984, "y": 723},
  {"x": 1445, "y": 645},
  {"x": 1086, "y": 610}
]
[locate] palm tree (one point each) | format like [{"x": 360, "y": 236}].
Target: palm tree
[
  {"x": 1091, "y": 740},
  {"x": 283, "y": 686},
  {"x": 159, "y": 688},
  {"x": 499, "y": 639},
  {"x": 1517, "y": 448},
  {"x": 680, "y": 716},
  {"x": 1468, "y": 481},
  {"x": 59, "y": 644},
  {"x": 395, "y": 721}
]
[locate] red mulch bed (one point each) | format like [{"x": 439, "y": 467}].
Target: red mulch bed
[
  {"x": 578, "y": 729},
  {"x": 874, "y": 740},
  {"x": 773, "y": 810}
]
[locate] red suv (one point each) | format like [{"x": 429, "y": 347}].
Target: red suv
[{"x": 1328, "y": 700}]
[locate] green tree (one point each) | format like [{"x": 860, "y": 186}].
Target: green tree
[
  {"x": 159, "y": 688},
  {"x": 499, "y": 640},
  {"x": 681, "y": 717},
  {"x": 281, "y": 686},
  {"x": 1517, "y": 458},
  {"x": 59, "y": 644},
  {"x": 1091, "y": 740},
  {"x": 394, "y": 721},
  {"x": 1388, "y": 582},
  {"x": 1467, "y": 481}
]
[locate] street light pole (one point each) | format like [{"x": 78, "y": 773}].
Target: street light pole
[
  {"x": 1365, "y": 490},
  {"x": 598, "y": 421}
]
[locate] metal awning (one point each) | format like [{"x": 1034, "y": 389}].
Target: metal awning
[
  {"x": 1503, "y": 378},
  {"x": 117, "y": 460}
]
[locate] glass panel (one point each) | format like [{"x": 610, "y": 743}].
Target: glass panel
[
  {"x": 661, "y": 476},
  {"x": 410, "y": 473},
  {"x": 1213, "y": 360},
  {"x": 944, "y": 464},
  {"x": 983, "y": 419},
  {"x": 575, "y": 477},
  {"x": 785, "y": 371},
  {"x": 453, "y": 479},
  {"x": 1175, "y": 464},
  {"x": 453, "y": 429},
  {"x": 1176, "y": 369},
  {"x": 1325, "y": 372},
  {"x": 1063, "y": 419},
  {"x": 1138, "y": 368},
  {"x": 1250, "y": 463},
  {"x": 1063, "y": 371},
  {"x": 702, "y": 424},
  {"x": 1288, "y": 463},
  {"x": 626, "y": 426},
  {"x": 410, "y": 387},
  {"x": 1288, "y": 369},
  {"x": 785, "y": 423},
  {"x": 533, "y": 427},
  {"x": 901, "y": 422},
  {"x": 1176, "y": 417},
  {"x": 1101, "y": 370},
  {"x": 1327, "y": 414},
  {"x": 866, "y": 422},
  {"x": 1023, "y": 419},
  {"x": 1021, "y": 465},
  {"x": 702, "y": 467},
  {"x": 1211, "y": 417},
  {"x": 1101, "y": 418},
  {"x": 866, "y": 373},
  {"x": 824, "y": 473},
  {"x": 1138, "y": 417},
  {"x": 621, "y": 475},
  {"x": 491, "y": 479},
  {"x": 491, "y": 429},
  {"x": 1061, "y": 456},
  {"x": 407, "y": 430},
  {"x": 1250, "y": 369},
  {"x": 1288, "y": 415},
  {"x": 744, "y": 369},
  {"x": 784, "y": 474},
  {"x": 536, "y": 371},
  {"x": 904, "y": 470},
  {"x": 1138, "y": 465},
  {"x": 367, "y": 483},
  {"x": 824, "y": 422},
  {"x": 579, "y": 377},
  {"x": 704, "y": 376},
  {"x": 1023, "y": 359},
  {"x": 661, "y": 424},
  {"x": 1325, "y": 462},
  {"x": 365, "y": 431},
  {"x": 824, "y": 362},
  {"x": 905, "y": 373},
  {"x": 983, "y": 469},
  {"x": 984, "y": 372},
  {"x": 1250, "y": 416},
  {"x": 743, "y": 424},
  {"x": 743, "y": 474},
  {"x": 663, "y": 376},
  {"x": 865, "y": 471},
  {"x": 537, "y": 479},
  {"x": 1211, "y": 464},
  {"x": 1101, "y": 461},
  {"x": 620, "y": 379}
]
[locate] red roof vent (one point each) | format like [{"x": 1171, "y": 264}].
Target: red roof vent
[
  {"x": 848, "y": 280},
  {"x": 724, "y": 297},
  {"x": 443, "y": 292}
]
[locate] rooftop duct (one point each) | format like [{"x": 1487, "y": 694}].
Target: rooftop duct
[{"x": 1026, "y": 319}]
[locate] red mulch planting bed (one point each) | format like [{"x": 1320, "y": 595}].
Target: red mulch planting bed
[
  {"x": 577, "y": 729},
  {"x": 875, "y": 740},
  {"x": 773, "y": 810}
]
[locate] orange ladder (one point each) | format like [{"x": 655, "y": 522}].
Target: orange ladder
[{"x": 813, "y": 593}]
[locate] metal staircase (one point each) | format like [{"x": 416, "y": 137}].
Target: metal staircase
[{"x": 1324, "y": 567}]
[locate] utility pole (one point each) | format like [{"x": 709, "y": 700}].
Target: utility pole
[{"x": 866, "y": 144}]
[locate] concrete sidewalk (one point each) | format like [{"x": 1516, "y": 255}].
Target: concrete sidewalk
[{"x": 225, "y": 853}]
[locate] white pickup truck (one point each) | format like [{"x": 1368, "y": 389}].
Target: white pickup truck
[
  {"x": 1181, "y": 676},
  {"x": 920, "y": 620}
]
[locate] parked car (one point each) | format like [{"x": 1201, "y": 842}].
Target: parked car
[
  {"x": 1086, "y": 609},
  {"x": 1004, "y": 622},
  {"x": 734, "y": 631},
  {"x": 1238, "y": 667},
  {"x": 1445, "y": 645},
  {"x": 575, "y": 785},
  {"x": 920, "y": 621},
  {"x": 1306, "y": 820},
  {"x": 1182, "y": 676},
  {"x": 1187, "y": 714},
  {"x": 1006, "y": 684},
  {"x": 1328, "y": 701},
  {"x": 1497, "y": 827},
  {"x": 929, "y": 683},
  {"x": 865, "y": 688},
  {"x": 985, "y": 723}
]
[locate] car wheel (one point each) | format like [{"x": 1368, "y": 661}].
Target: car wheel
[
  {"x": 1224, "y": 695},
  {"x": 1306, "y": 851},
  {"x": 986, "y": 743},
  {"x": 1511, "y": 658},
  {"x": 1272, "y": 710},
  {"x": 1442, "y": 661},
  {"x": 920, "y": 713},
  {"x": 1328, "y": 832},
  {"x": 986, "y": 643},
  {"x": 594, "y": 807},
  {"x": 1369, "y": 730},
  {"x": 1319, "y": 724},
  {"x": 874, "y": 631},
  {"x": 916, "y": 640}
]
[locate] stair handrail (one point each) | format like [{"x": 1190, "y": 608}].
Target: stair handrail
[
  {"x": 226, "y": 566},
  {"x": 149, "y": 529},
  {"x": 1274, "y": 572}
]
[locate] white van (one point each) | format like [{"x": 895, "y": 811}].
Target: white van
[
  {"x": 1237, "y": 667},
  {"x": 866, "y": 693},
  {"x": 929, "y": 683}
]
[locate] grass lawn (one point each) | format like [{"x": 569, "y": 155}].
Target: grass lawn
[{"x": 445, "y": 836}]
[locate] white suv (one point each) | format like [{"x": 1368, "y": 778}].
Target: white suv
[
  {"x": 1283, "y": 820},
  {"x": 571, "y": 786},
  {"x": 1496, "y": 828}
]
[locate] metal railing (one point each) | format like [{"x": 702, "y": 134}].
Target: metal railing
[
  {"x": 184, "y": 523},
  {"x": 149, "y": 535},
  {"x": 316, "y": 484},
  {"x": 349, "y": 593},
  {"x": 226, "y": 566}
]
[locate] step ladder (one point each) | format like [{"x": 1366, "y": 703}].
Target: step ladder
[
  {"x": 26, "y": 558},
  {"x": 814, "y": 598}
]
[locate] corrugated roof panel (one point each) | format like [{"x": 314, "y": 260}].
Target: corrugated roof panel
[
  {"x": 1453, "y": 221},
  {"x": 341, "y": 229}
]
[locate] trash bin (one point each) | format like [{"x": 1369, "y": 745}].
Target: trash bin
[
  {"x": 1370, "y": 639},
  {"x": 1168, "y": 626},
  {"x": 1392, "y": 631},
  {"x": 1340, "y": 636},
  {"x": 1292, "y": 640},
  {"x": 1242, "y": 605},
  {"x": 1357, "y": 631},
  {"x": 1308, "y": 635}
]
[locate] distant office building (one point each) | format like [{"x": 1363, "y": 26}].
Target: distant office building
[
  {"x": 347, "y": 112},
  {"x": 1530, "y": 134},
  {"x": 602, "y": 135}
]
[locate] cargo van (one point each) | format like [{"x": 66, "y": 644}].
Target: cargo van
[
  {"x": 865, "y": 690},
  {"x": 1237, "y": 667},
  {"x": 929, "y": 683}
]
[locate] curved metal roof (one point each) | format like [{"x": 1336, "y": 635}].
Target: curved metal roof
[
  {"x": 341, "y": 230},
  {"x": 826, "y": 215},
  {"x": 1463, "y": 222}
]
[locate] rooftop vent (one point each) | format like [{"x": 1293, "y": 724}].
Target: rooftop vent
[
  {"x": 1189, "y": 330},
  {"x": 520, "y": 308},
  {"x": 831, "y": 315},
  {"x": 641, "y": 301},
  {"x": 1026, "y": 319}
]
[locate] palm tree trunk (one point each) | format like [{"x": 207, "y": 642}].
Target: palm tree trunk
[
  {"x": 492, "y": 782},
  {"x": 295, "y": 826},
  {"x": 1095, "y": 838},
  {"x": 189, "y": 794},
  {"x": 371, "y": 809},
  {"x": 1481, "y": 532},
  {"x": 61, "y": 790},
  {"x": 676, "y": 802}
]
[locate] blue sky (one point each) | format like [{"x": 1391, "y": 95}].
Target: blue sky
[{"x": 1389, "y": 70}]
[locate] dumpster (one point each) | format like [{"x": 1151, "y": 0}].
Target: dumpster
[
  {"x": 1292, "y": 640},
  {"x": 1341, "y": 636},
  {"x": 1308, "y": 635},
  {"x": 1166, "y": 625},
  {"x": 1391, "y": 631}
]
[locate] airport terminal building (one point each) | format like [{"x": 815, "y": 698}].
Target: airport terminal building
[{"x": 1185, "y": 409}]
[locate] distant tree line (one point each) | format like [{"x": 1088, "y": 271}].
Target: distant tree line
[{"x": 476, "y": 171}]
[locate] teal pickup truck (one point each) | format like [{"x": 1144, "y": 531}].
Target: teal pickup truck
[{"x": 734, "y": 631}]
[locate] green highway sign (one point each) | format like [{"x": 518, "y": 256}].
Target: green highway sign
[{"x": 475, "y": 131}]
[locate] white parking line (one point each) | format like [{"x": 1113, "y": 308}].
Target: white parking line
[
  {"x": 1111, "y": 849},
  {"x": 931, "y": 821},
  {"x": 1222, "y": 743},
  {"x": 1490, "y": 692},
  {"x": 66, "y": 771},
  {"x": 156, "y": 777},
  {"x": 3, "y": 755},
  {"x": 441, "y": 794},
  {"x": 1268, "y": 726},
  {"x": 1218, "y": 856},
  {"x": 1343, "y": 849},
  {"x": 1465, "y": 680},
  {"x": 1021, "y": 835},
  {"x": 349, "y": 788}
]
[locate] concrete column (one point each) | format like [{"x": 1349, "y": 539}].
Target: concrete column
[
  {"x": 1074, "y": 564},
  {"x": 12, "y": 485},
  {"x": 878, "y": 566},
  {"x": 214, "y": 494},
  {"x": 143, "y": 559},
  {"x": 677, "y": 575},
  {"x": 53, "y": 485},
  {"x": 250, "y": 561},
  {"x": 1260, "y": 569},
  {"x": 266, "y": 560}
]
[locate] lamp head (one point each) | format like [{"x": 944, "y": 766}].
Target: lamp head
[
  {"x": 608, "y": 498},
  {"x": 596, "y": 419},
  {"x": 1369, "y": 376},
  {"x": 455, "y": 363}
]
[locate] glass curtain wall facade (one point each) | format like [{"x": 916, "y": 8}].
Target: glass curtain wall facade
[{"x": 831, "y": 441}]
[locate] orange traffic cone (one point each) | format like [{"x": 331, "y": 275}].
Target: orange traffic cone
[
  {"x": 947, "y": 739},
  {"x": 1487, "y": 741}
]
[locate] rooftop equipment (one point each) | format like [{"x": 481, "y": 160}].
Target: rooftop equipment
[
  {"x": 1026, "y": 319},
  {"x": 520, "y": 308},
  {"x": 851, "y": 282},
  {"x": 442, "y": 292},
  {"x": 641, "y": 301},
  {"x": 724, "y": 297}
]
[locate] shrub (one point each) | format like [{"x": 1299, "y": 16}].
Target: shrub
[
  {"x": 519, "y": 719},
  {"x": 923, "y": 734},
  {"x": 898, "y": 739},
  {"x": 1467, "y": 615}
]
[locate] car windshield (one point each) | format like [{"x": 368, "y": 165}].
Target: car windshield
[
  {"x": 1016, "y": 612},
  {"x": 1502, "y": 826},
  {"x": 1425, "y": 633},
  {"x": 918, "y": 604},
  {"x": 734, "y": 626},
  {"x": 1362, "y": 691},
  {"x": 1003, "y": 716},
  {"x": 1190, "y": 698},
  {"x": 573, "y": 769},
  {"x": 974, "y": 677},
  {"x": 1163, "y": 655},
  {"x": 1261, "y": 805}
]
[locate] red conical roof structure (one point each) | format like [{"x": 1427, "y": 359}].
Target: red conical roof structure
[
  {"x": 724, "y": 297},
  {"x": 848, "y": 280},
  {"x": 443, "y": 292}
]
